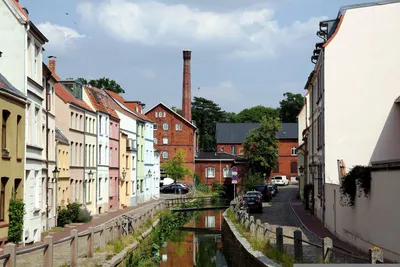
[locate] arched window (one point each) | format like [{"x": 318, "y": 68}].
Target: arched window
[{"x": 294, "y": 150}]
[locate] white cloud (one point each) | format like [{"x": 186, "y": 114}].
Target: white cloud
[
  {"x": 248, "y": 33},
  {"x": 225, "y": 94},
  {"x": 60, "y": 37}
]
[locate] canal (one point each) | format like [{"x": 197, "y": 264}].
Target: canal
[{"x": 198, "y": 243}]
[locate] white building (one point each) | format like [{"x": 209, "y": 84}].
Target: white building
[
  {"x": 352, "y": 92},
  {"x": 149, "y": 160},
  {"x": 156, "y": 175}
]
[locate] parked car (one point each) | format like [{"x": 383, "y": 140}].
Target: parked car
[
  {"x": 253, "y": 201},
  {"x": 272, "y": 189},
  {"x": 172, "y": 188},
  {"x": 263, "y": 189},
  {"x": 276, "y": 188},
  {"x": 280, "y": 180}
]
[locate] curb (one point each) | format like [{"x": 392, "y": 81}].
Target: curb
[{"x": 300, "y": 221}]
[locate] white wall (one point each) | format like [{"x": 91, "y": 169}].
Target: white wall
[
  {"x": 102, "y": 169},
  {"x": 360, "y": 84}
]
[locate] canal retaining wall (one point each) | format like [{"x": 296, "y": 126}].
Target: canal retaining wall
[{"x": 238, "y": 250}]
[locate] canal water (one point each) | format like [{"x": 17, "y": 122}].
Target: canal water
[{"x": 198, "y": 243}]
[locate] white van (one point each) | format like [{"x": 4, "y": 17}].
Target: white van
[{"x": 280, "y": 180}]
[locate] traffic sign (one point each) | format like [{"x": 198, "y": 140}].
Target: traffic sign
[
  {"x": 234, "y": 169},
  {"x": 234, "y": 173},
  {"x": 234, "y": 181}
]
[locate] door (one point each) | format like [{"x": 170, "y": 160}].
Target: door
[{"x": 334, "y": 210}]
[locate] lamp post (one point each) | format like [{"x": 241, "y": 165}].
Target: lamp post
[
  {"x": 56, "y": 173},
  {"x": 90, "y": 175}
]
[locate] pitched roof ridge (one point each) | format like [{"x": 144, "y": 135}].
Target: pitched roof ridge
[{"x": 180, "y": 116}]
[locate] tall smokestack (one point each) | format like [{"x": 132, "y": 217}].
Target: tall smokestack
[
  {"x": 52, "y": 65},
  {"x": 186, "y": 88}
]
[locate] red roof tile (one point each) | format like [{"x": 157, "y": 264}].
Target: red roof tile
[
  {"x": 100, "y": 101},
  {"x": 16, "y": 3},
  {"x": 122, "y": 101},
  {"x": 67, "y": 97}
]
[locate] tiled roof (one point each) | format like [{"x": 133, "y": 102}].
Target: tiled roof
[
  {"x": 61, "y": 138},
  {"x": 217, "y": 156},
  {"x": 121, "y": 100},
  {"x": 100, "y": 101},
  {"x": 170, "y": 109},
  {"x": 236, "y": 133},
  {"x": 67, "y": 97},
  {"x": 5, "y": 85},
  {"x": 16, "y": 3}
]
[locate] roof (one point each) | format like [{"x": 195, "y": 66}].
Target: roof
[
  {"x": 61, "y": 138},
  {"x": 16, "y": 3},
  {"x": 223, "y": 156},
  {"x": 6, "y": 86},
  {"x": 100, "y": 101},
  {"x": 67, "y": 97},
  {"x": 170, "y": 109},
  {"x": 236, "y": 133},
  {"x": 343, "y": 9},
  {"x": 121, "y": 101}
]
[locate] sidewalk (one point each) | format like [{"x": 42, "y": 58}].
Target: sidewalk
[{"x": 313, "y": 225}]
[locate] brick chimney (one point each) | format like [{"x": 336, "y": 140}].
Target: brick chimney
[
  {"x": 186, "y": 88},
  {"x": 52, "y": 65}
]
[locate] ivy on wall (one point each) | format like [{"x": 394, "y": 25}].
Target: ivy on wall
[
  {"x": 356, "y": 183},
  {"x": 16, "y": 215}
]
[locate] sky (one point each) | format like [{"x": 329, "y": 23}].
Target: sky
[{"x": 244, "y": 53}]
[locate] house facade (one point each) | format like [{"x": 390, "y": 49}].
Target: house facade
[
  {"x": 12, "y": 103},
  {"x": 62, "y": 163},
  {"x": 230, "y": 138}
]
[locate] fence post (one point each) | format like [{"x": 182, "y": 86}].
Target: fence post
[
  {"x": 266, "y": 229},
  {"x": 10, "y": 248},
  {"x": 279, "y": 239},
  {"x": 102, "y": 235},
  {"x": 376, "y": 255},
  {"x": 48, "y": 252},
  {"x": 90, "y": 242},
  {"x": 252, "y": 226},
  {"x": 74, "y": 248},
  {"x": 298, "y": 245},
  {"x": 119, "y": 230},
  {"x": 327, "y": 247}
]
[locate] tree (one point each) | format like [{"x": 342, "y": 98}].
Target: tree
[
  {"x": 251, "y": 181},
  {"x": 290, "y": 106},
  {"x": 177, "y": 110},
  {"x": 175, "y": 168},
  {"x": 261, "y": 146},
  {"x": 255, "y": 114},
  {"x": 104, "y": 83},
  {"x": 206, "y": 114}
]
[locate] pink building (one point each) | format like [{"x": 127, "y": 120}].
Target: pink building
[{"x": 114, "y": 163}]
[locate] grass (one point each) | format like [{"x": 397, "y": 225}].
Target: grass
[{"x": 263, "y": 246}]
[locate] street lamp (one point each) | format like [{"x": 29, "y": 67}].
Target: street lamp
[
  {"x": 301, "y": 170},
  {"x": 90, "y": 174},
  {"x": 149, "y": 173},
  {"x": 56, "y": 173},
  {"x": 123, "y": 174}
]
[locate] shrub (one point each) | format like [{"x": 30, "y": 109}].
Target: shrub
[
  {"x": 16, "y": 216},
  {"x": 64, "y": 217},
  {"x": 74, "y": 209},
  {"x": 84, "y": 216}
]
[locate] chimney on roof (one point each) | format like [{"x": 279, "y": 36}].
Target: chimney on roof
[
  {"x": 52, "y": 65},
  {"x": 186, "y": 88},
  {"x": 26, "y": 10}
]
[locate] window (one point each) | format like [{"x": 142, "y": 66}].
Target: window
[
  {"x": 3, "y": 198},
  {"x": 210, "y": 172},
  {"x": 233, "y": 150},
  {"x": 165, "y": 126},
  {"x": 164, "y": 114},
  {"x": 227, "y": 172},
  {"x": 293, "y": 151},
  {"x": 110, "y": 159},
  {"x": 99, "y": 187},
  {"x": 88, "y": 190},
  {"x": 178, "y": 127},
  {"x": 156, "y": 114},
  {"x": 36, "y": 61},
  {"x": 160, "y": 114},
  {"x": 293, "y": 167},
  {"x": 319, "y": 132},
  {"x": 5, "y": 116},
  {"x": 165, "y": 155},
  {"x": 155, "y": 140},
  {"x": 100, "y": 148},
  {"x": 165, "y": 141},
  {"x": 141, "y": 186},
  {"x": 210, "y": 221},
  {"x": 155, "y": 127},
  {"x": 222, "y": 149},
  {"x": 71, "y": 119},
  {"x": 133, "y": 186}
]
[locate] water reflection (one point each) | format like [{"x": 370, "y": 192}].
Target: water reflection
[{"x": 198, "y": 244}]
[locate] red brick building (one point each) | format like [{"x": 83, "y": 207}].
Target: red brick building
[{"x": 230, "y": 138}]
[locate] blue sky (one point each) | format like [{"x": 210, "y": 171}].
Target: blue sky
[{"x": 244, "y": 53}]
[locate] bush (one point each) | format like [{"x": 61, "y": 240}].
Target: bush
[
  {"x": 64, "y": 217},
  {"x": 74, "y": 209},
  {"x": 16, "y": 215},
  {"x": 84, "y": 216}
]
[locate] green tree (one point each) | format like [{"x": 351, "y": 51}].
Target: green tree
[
  {"x": 206, "y": 114},
  {"x": 261, "y": 146},
  {"x": 16, "y": 215},
  {"x": 104, "y": 83},
  {"x": 290, "y": 106},
  {"x": 255, "y": 114},
  {"x": 251, "y": 181},
  {"x": 175, "y": 168},
  {"x": 177, "y": 110}
]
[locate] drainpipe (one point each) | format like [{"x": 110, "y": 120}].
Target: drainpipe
[
  {"x": 96, "y": 161},
  {"x": 56, "y": 158},
  {"x": 323, "y": 140},
  {"x": 84, "y": 158},
  {"x": 47, "y": 151}
]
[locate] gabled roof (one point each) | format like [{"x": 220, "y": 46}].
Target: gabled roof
[
  {"x": 236, "y": 133},
  {"x": 6, "y": 86},
  {"x": 212, "y": 156},
  {"x": 343, "y": 9},
  {"x": 19, "y": 7},
  {"x": 100, "y": 101},
  {"x": 170, "y": 109},
  {"x": 61, "y": 138},
  {"x": 121, "y": 101},
  {"x": 67, "y": 97}
]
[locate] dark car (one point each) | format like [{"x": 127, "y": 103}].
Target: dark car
[
  {"x": 275, "y": 186},
  {"x": 253, "y": 201},
  {"x": 263, "y": 189},
  {"x": 272, "y": 189},
  {"x": 172, "y": 188}
]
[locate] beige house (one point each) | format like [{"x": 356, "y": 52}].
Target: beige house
[
  {"x": 12, "y": 106},
  {"x": 62, "y": 163}
]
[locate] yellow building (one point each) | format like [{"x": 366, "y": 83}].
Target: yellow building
[
  {"x": 12, "y": 106},
  {"x": 124, "y": 172},
  {"x": 62, "y": 163}
]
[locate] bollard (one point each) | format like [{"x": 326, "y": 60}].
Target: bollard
[
  {"x": 376, "y": 255},
  {"x": 74, "y": 248},
  {"x": 279, "y": 239},
  {"x": 327, "y": 247},
  {"x": 103, "y": 236},
  {"x": 252, "y": 226},
  {"x": 90, "y": 242},
  {"x": 298, "y": 245},
  {"x": 48, "y": 252},
  {"x": 10, "y": 248},
  {"x": 266, "y": 230}
]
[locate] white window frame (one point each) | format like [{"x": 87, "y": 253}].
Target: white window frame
[
  {"x": 164, "y": 114},
  {"x": 294, "y": 151},
  {"x": 165, "y": 140},
  {"x": 165, "y": 155},
  {"x": 227, "y": 172},
  {"x": 165, "y": 126},
  {"x": 155, "y": 141},
  {"x": 233, "y": 150},
  {"x": 156, "y": 114},
  {"x": 160, "y": 114},
  {"x": 210, "y": 172}
]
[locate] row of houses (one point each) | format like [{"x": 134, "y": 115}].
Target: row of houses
[
  {"x": 63, "y": 141},
  {"x": 350, "y": 118}
]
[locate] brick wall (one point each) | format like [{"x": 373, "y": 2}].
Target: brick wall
[{"x": 219, "y": 171}]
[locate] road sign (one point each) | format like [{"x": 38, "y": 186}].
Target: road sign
[
  {"x": 234, "y": 169},
  {"x": 234, "y": 173},
  {"x": 234, "y": 181}
]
